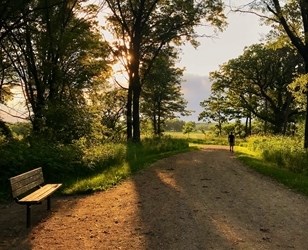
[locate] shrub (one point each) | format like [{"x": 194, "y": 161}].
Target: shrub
[
  {"x": 285, "y": 152},
  {"x": 71, "y": 163}
]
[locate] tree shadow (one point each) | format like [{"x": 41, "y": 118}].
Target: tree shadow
[
  {"x": 199, "y": 200},
  {"x": 172, "y": 209},
  {"x": 14, "y": 232}
]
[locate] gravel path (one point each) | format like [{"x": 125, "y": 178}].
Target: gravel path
[{"x": 197, "y": 200}]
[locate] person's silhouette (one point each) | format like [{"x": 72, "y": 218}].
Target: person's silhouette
[{"x": 231, "y": 139}]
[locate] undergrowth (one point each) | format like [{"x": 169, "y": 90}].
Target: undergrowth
[{"x": 81, "y": 167}]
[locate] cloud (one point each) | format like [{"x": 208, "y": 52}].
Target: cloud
[{"x": 195, "y": 88}]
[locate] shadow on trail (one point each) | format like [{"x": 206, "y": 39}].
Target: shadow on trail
[
  {"x": 173, "y": 205},
  {"x": 13, "y": 231},
  {"x": 207, "y": 200},
  {"x": 197, "y": 200}
]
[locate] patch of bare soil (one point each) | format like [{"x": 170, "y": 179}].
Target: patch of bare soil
[{"x": 198, "y": 200}]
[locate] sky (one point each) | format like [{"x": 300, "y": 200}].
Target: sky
[{"x": 243, "y": 30}]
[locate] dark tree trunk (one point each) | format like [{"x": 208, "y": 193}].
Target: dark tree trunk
[
  {"x": 249, "y": 126},
  {"x": 129, "y": 133},
  {"x": 158, "y": 126},
  {"x": 154, "y": 123},
  {"x": 136, "y": 110}
]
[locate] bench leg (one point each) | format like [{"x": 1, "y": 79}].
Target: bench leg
[
  {"x": 48, "y": 203},
  {"x": 28, "y": 215}
]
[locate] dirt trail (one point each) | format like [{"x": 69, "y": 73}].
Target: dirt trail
[{"x": 197, "y": 200}]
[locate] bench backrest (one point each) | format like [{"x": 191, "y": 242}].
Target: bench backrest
[{"x": 25, "y": 182}]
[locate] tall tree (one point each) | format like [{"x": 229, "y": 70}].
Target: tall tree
[
  {"x": 161, "y": 93},
  {"x": 56, "y": 53},
  {"x": 258, "y": 82},
  {"x": 216, "y": 109},
  {"x": 11, "y": 18},
  {"x": 292, "y": 17},
  {"x": 143, "y": 28}
]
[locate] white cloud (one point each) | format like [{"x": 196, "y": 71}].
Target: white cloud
[{"x": 195, "y": 88}]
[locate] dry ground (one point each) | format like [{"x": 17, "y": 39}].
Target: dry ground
[{"x": 197, "y": 200}]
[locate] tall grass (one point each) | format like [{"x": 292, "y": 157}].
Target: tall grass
[
  {"x": 134, "y": 157},
  {"x": 285, "y": 152},
  {"x": 254, "y": 159},
  {"x": 81, "y": 167}
]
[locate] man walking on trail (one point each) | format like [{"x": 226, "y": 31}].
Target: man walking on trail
[{"x": 231, "y": 139}]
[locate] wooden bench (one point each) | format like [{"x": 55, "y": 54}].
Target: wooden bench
[{"x": 29, "y": 189}]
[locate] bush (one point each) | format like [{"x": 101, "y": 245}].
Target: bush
[
  {"x": 69, "y": 163},
  {"x": 101, "y": 156},
  {"x": 285, "y": 152}
]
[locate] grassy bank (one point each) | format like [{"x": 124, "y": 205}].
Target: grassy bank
[
  {"x": 81, "y": 167},
  {"x": 294, "y": 180},
  {"x": 86, "y": 168},
  {"x": 284, "y": 152},
  {"x": 137, "y": 157}
]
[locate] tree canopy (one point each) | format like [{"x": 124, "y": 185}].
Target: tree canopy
[
  {"x": 55, "y": 54},
  {"x": 256, "y": 83},
  {"x": 143, "y": 28},
  {"x": 161, "y": 93},
  {"x": 291, "y": 18}
]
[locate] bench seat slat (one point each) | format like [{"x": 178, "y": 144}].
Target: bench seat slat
[{"x": 40, "y": 194}]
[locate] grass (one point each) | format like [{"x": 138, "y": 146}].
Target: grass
[
  {"x": 254, "y": 160},
  {"x": 100, "y": 181},
  {"x": 138, "y": 157},
  {"x": 84, "y": 168},
  {"x": 200, "y": 138}
]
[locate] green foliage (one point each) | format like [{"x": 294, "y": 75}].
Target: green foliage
[
  {"x": 161, "y": 94},
  {"x": 81, "y": 167},
  {"x": 288, "y": 18},
  {"x": 98, "y": 157},
  {"x": 5, "y": 130},
  {"x": 67, "y": 121},
  {"x": 237, "y": 128},
  {"x": 298, "y": 88},
  {"x": 216, "y": 108},
  {"x": 174, "y": 125},
  {"x": 296, "y": 181},
  {"x": 189, "y": 127},
  {"x": 256, "y": 84},
  {"x": 21, "y": 129},
  {"x": 285, "y": 152},
  {"x": 67, "y": 52}
]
